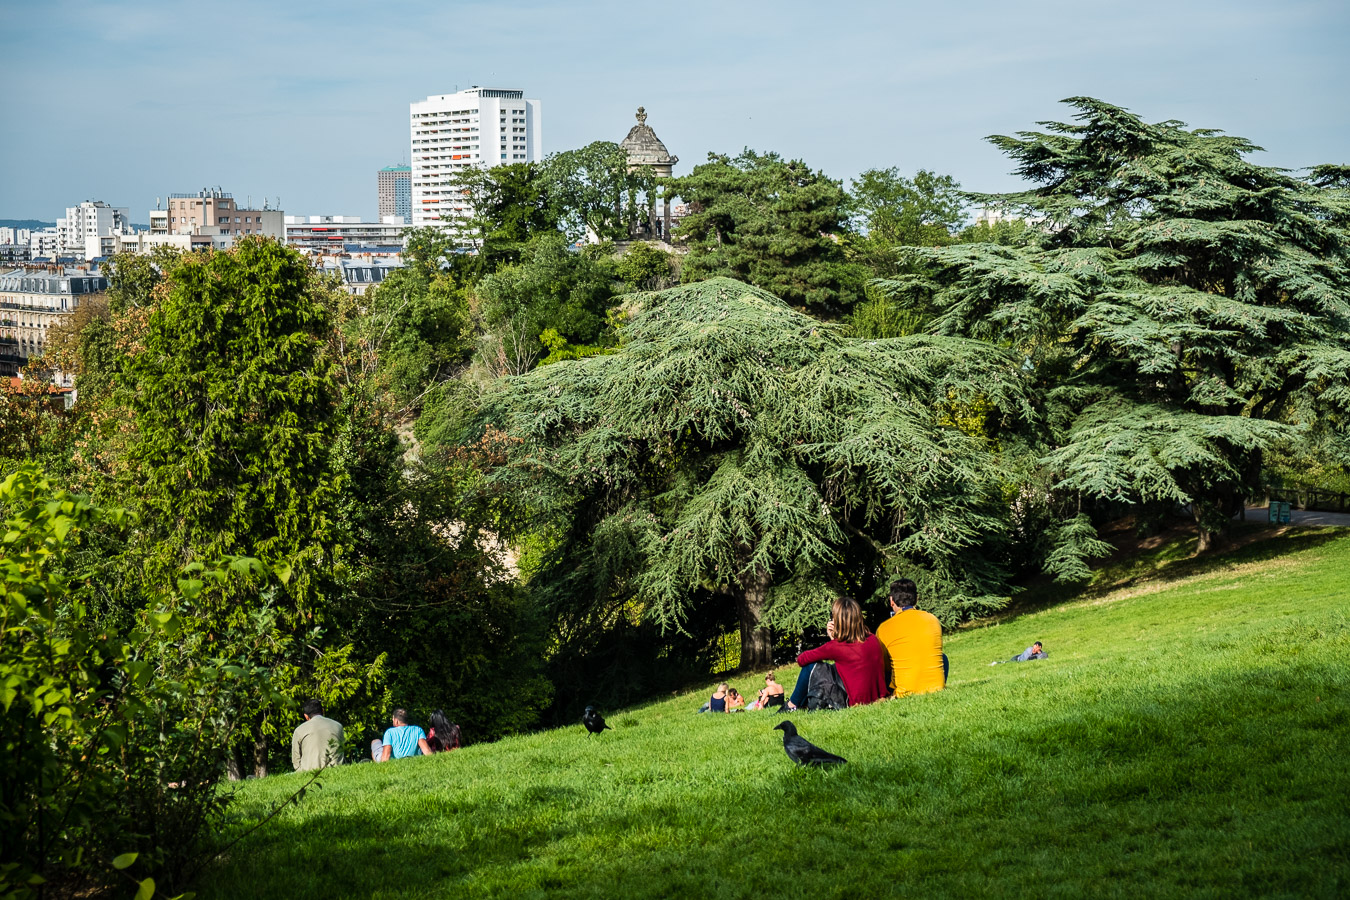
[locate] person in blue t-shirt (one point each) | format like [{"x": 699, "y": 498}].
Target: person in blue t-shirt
[{"x": 404, "y": 740}]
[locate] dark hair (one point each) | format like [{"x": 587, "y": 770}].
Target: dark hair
[
  {"x": 904, "y": 592},
  {"x": 1036, "y": 643},
  {"x": 400, "y": 715},
  {"x": 312, "y": 707},
  {"x": 444, "y": 733}
]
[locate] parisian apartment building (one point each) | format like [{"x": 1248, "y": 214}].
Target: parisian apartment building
[
  {"x": 482, "y": 127},
  {"x": 34, "y": 299}
]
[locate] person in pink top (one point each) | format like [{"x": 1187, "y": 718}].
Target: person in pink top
[{"x": 855, "y": 652}]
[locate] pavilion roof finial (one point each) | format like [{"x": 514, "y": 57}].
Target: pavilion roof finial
[{"x": 642, "y": 115}]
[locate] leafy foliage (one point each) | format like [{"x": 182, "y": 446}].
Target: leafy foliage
[
  {"x": 552, "y": 287},
  {"x": 733, "y": 444},
  {"x": 113, "y": 741},
  {"x": 771, "y": 223},
  {"x": 1183, "y": 308},
  {"x": 594, "y": 193},
  {"x": 889, "y": 210},
  {"x": 511, "y": 205}
]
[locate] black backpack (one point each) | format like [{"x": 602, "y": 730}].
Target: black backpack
[{"x": 825, "y": 689}]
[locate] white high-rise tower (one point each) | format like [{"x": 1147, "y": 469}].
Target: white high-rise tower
[{"x": 479, "y": 127}]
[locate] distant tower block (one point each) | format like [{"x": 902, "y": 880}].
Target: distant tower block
[
  {"x": 395, "y": 199},
  {"x": 644, "y": 148}
]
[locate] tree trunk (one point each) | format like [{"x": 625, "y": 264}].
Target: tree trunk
[
  {"x": 1213, "y": 517},
  {"x": 756, "y": 642},
  {"x": 1206, "y": 539},
  {"x": 233, "y": 767},
  {"x": 260, "y": 758}
]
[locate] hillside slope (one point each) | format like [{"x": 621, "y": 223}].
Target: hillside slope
[{"x": 1189, "y": 736}]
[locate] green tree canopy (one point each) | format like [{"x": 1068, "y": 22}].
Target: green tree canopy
[
  {"x": 594, "y": 193},
  {"x": 928, "y": 208},
  {"x": 511, "y": 204},
  {"x": 552, "y": 287},
  {"x": 738, "y": 449},
  {"x": 1181, "y": 306},
  {"x": 233, "y": 398},
  {"x": 771, "y": 223}
]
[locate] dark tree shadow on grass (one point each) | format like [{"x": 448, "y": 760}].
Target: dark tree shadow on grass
[{"x": 1229, "y": 783}]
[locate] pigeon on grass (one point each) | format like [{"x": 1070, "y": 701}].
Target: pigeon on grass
[
  {"x": 801, "y": 751},
  {"x": 594, "y": 722}
]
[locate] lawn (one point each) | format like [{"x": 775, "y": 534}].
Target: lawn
[{"x": 1188, "y": 736}]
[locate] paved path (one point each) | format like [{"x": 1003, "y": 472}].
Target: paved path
[{"x": 1302, "y": 517}]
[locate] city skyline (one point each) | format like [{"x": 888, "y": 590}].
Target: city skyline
[{"x": 306, "y": 102}]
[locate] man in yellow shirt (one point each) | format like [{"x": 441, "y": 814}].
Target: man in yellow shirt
[{"x": 913, "y": 642}]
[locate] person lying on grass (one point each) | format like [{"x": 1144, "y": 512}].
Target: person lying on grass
[
  {"x": 734, "y": 700},
  {"x": 1032, "y": 652},
  {"x": 854, "y": 650},
  {"x": 404, "y": 740}
]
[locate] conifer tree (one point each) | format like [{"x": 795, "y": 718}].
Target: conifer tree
[
  {"x": 773, "y": 223},
  {"x": 1183, "y": 308},
  {"x": 736, "y": 448}
]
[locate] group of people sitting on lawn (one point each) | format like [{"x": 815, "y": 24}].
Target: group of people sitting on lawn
[
  {"x": 856, "y": 666},
  {"x": 727, "y": 699},
  {"x": 317, "y": 743}
]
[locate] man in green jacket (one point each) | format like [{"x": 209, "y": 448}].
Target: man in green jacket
[{"x": 317, "y": 743}]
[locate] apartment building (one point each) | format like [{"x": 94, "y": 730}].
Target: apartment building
[
  {"x": 44, "y": 244},
  {"x": 326, "y": 233},
  {"x": 361, "y": 273},
  {"x": 212, "y": 212},
  {"x": 33, "y": 300},
  {"x": 395, "y": 193},
  {"x": 86, "y": 230},
  {"x": 482, "y": 127},
  {"x": 14, "y": 254}
]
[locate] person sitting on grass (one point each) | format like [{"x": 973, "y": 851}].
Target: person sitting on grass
[
  {"x": 404, "y": 740},
  {"x": 1032, "y": 652},
  {"x": 856, "y": 653},
  {"x": 718, "y": 702},
  {"x": 735, "y": 701},
  {"x": 913, "y": 642},
  {"x": 772, "y": 694},
  {"x": 317, "y": 743},
  {"x": 444, "y": 734}
]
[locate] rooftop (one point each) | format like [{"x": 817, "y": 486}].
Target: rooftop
[{"x": 643, "y": 147}]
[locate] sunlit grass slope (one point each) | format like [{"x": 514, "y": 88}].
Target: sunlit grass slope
[{"x": 1189, "y": 736}]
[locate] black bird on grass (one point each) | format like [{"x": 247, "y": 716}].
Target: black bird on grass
[
  {"x": 594, "y": 722},
  {"x": 801, "y": 751}
]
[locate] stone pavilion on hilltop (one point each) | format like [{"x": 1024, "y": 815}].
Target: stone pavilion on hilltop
[{"x": 644, "y": 148}]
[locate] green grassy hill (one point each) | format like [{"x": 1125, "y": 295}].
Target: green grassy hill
[{"x": 1189, "y": 736}]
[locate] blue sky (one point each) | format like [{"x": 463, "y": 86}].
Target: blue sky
[{"x": 127, "y": 101}]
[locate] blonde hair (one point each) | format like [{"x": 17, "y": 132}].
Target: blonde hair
[{"x": 849, "y": 627}]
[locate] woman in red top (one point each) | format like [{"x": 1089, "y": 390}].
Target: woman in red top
[{"x": 854, "y": 650}]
